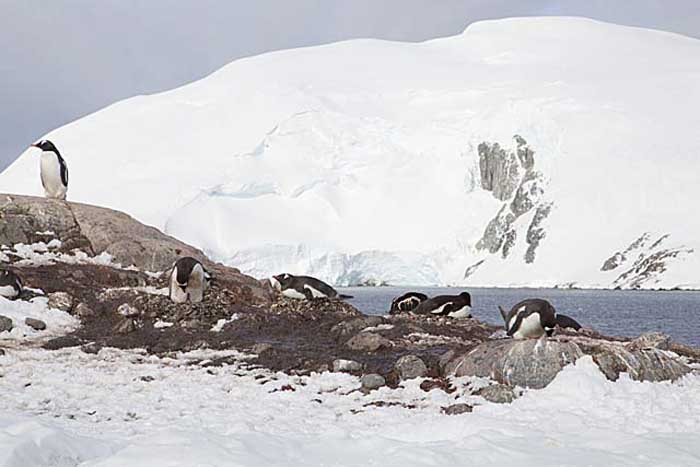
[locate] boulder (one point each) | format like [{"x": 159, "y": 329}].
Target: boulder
[
  {"x": 372, "y": 381},
  {"x": 457, "y": 409},
  {"x": 60, "y": 301},
  {"x": 346, "y": 365},
  {"x": 36, "y": 324},
  {"x": 534, "y": 363},
  {"x": 5, "y": 324},
  {"x": 368, "y": 342},
  {"x": 529, "y": 363},
  {"x": 497, "y": 393},
  {"x": 410, "y": 366}
]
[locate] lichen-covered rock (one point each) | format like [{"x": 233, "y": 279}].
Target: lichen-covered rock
[
  {"x": 457, "y": 409},
  {"x": 60, "y": 301},
  {"x": 83, "y": 310},
  {"x": 534, "y": 363},
  {"x": 5, "y": 323},
  {"x": 368, "y": 342},
  {"x": 650, "y": 340},
  {"x": 531, "y": 363},
  {"x": 497, "y": 393},
  {"x": 410, "y": 366},
  {"x": 372, "y": 381},
  {"x": 36, "y": 324},
  {"x": 346, "y": 365}
]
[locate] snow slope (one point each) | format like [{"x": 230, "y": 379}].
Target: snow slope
[
  {"x": 363, "y": 161},
  {"x": 115, "y": 408}
]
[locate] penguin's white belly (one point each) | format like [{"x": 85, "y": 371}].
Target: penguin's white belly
[
  {"x": 464, "y": 312},
  {"x": 194, "y": 291},
  {"x": 530, "y": 327},
  {"x": 291, "y": 293},
  {"x": 315, "y": 293},
  {"x": 196, "y": 285},
  {"x": 51, "y": 176},
  {"x": 8, "y": 291},
  {"x": 439, "y": 309}
]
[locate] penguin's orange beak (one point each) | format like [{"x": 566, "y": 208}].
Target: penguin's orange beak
[{"x": 33, "y": 145}]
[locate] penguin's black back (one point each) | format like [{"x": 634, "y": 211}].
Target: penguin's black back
[{"x": 184, "y": 267}]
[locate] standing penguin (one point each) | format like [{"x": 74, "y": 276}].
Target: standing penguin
[
  {"x": 54, "y": 171},
  {"x": 10, "y": 285},
  {"x": 188, "y": 281},
  {"x": 530, "y": 318}
]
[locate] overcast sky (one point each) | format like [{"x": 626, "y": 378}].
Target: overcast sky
[{"x": 62, "y": 59}]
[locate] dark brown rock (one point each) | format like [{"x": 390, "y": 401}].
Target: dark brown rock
[
  {"x": 5, "y": 324},
  {"x": 36, "y": 324}
]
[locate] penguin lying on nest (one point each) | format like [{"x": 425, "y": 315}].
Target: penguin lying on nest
[
  {"x": 407, "y": 302},
  {"x": 454, "y": 306},
  {"x": 533, "y": 318},
  {"x": 304, "y": 287}
]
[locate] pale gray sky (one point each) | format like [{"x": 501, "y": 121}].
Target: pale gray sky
[{"x": 63, "y": 59}]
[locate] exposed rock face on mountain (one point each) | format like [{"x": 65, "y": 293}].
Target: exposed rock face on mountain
[
  {"x": 511, "y": 177},
  {"x": 644, "y": 261}
]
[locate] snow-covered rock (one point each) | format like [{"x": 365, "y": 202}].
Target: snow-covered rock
[{"x": 521, "y": 152}]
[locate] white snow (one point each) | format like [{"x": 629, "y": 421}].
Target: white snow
[
  {"x": 357, "y": 161},
  {"x": 120, "y": 408},
  {"x": 58, "y": 322},
  {"x": 219, "y": 326},
  {"x": 42, "y": 253}
]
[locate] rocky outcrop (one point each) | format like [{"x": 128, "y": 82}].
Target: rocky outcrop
[
  {"x": 511, "y": 177},
  {"x": 92, "y": 229},
  {"x": 534, "y": 363},
  {"x": 644, "y": 261},
  {"x": 95, "y": 230}
]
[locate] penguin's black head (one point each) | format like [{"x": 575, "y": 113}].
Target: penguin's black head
[
  {"x": 283, "y": 280},
  {"x": 467, "y": 297},
  {"x": 45, "y": 145}
]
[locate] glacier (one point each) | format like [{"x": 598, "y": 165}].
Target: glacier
[{"x": 522, "y": 152}]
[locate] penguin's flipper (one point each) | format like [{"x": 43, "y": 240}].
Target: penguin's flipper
[
  {"x": 307, "y": 293},
  {"x": 345, "y": 297},
  {"x": 443, "y": 310}
]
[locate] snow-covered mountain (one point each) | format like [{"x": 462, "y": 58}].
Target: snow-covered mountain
[{"x": 538, "y": 151}]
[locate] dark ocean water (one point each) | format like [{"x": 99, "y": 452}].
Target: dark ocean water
[{"x": 612, "y": 312}]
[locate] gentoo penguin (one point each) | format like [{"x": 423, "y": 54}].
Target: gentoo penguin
[
  {"x": 54, "y": 171},
  {"x": 188, "y": 281},
  {"x": 454, "y": 306},
  {"x": 407, "y": 302},
  {"x": 303, "y": 287},
  {"x": 564, "y": 321},
  {"x": 530, "y": 318},
  {"x": 10, "y": 285}
]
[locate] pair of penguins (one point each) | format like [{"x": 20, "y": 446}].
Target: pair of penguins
[{"x": 530, "y": 318}]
